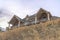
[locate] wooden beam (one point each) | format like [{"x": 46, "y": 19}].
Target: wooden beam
[
  {"x": 19, "y": 23},
  {"x": 35, "y": 18},
  {"x": 48, "y": 16}
]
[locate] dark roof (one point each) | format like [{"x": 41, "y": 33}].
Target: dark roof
[{"x": 31, "y": 18}]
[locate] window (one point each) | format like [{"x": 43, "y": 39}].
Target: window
[{"x": 43, "y": 17}]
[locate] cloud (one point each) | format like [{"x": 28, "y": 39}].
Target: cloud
[
  {"x": 4, "y": 12},
  {"x": 23, "y": 7},
  {"x": 3, "y": 22}
]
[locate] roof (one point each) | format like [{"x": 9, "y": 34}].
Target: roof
[
  {"x": 41, "y": 11},
  {"x": 14, "y": 18},
  {"x": 30, "y": 18}
]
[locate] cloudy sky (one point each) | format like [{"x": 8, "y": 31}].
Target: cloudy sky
[{"x": 23, "y": 7}]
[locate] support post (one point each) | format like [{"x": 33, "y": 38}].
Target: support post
[
  {"x": 48, "y": 17},
  {"x": 19, "y": 24},
  {"x": 35, "y": 19}
]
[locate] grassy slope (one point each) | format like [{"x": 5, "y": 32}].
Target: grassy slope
[{"x": 43, "y": 31}]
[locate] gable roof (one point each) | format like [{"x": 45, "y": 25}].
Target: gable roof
[
  {"x": 14, "y": 18},
  {"x": 41, "y": 11}
]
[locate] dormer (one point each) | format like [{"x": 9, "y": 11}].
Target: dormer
[{"x": 27, "y": 17}]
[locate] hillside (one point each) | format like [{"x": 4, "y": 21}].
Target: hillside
[{"x": 43, "y": 31}]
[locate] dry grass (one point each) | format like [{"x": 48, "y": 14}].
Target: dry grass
[{"x": 43, "y": 31}]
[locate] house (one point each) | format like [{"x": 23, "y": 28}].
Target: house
[{"x": 41, "y": 16}]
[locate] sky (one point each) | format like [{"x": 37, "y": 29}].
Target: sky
[{"x": 22, "y": 8}]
